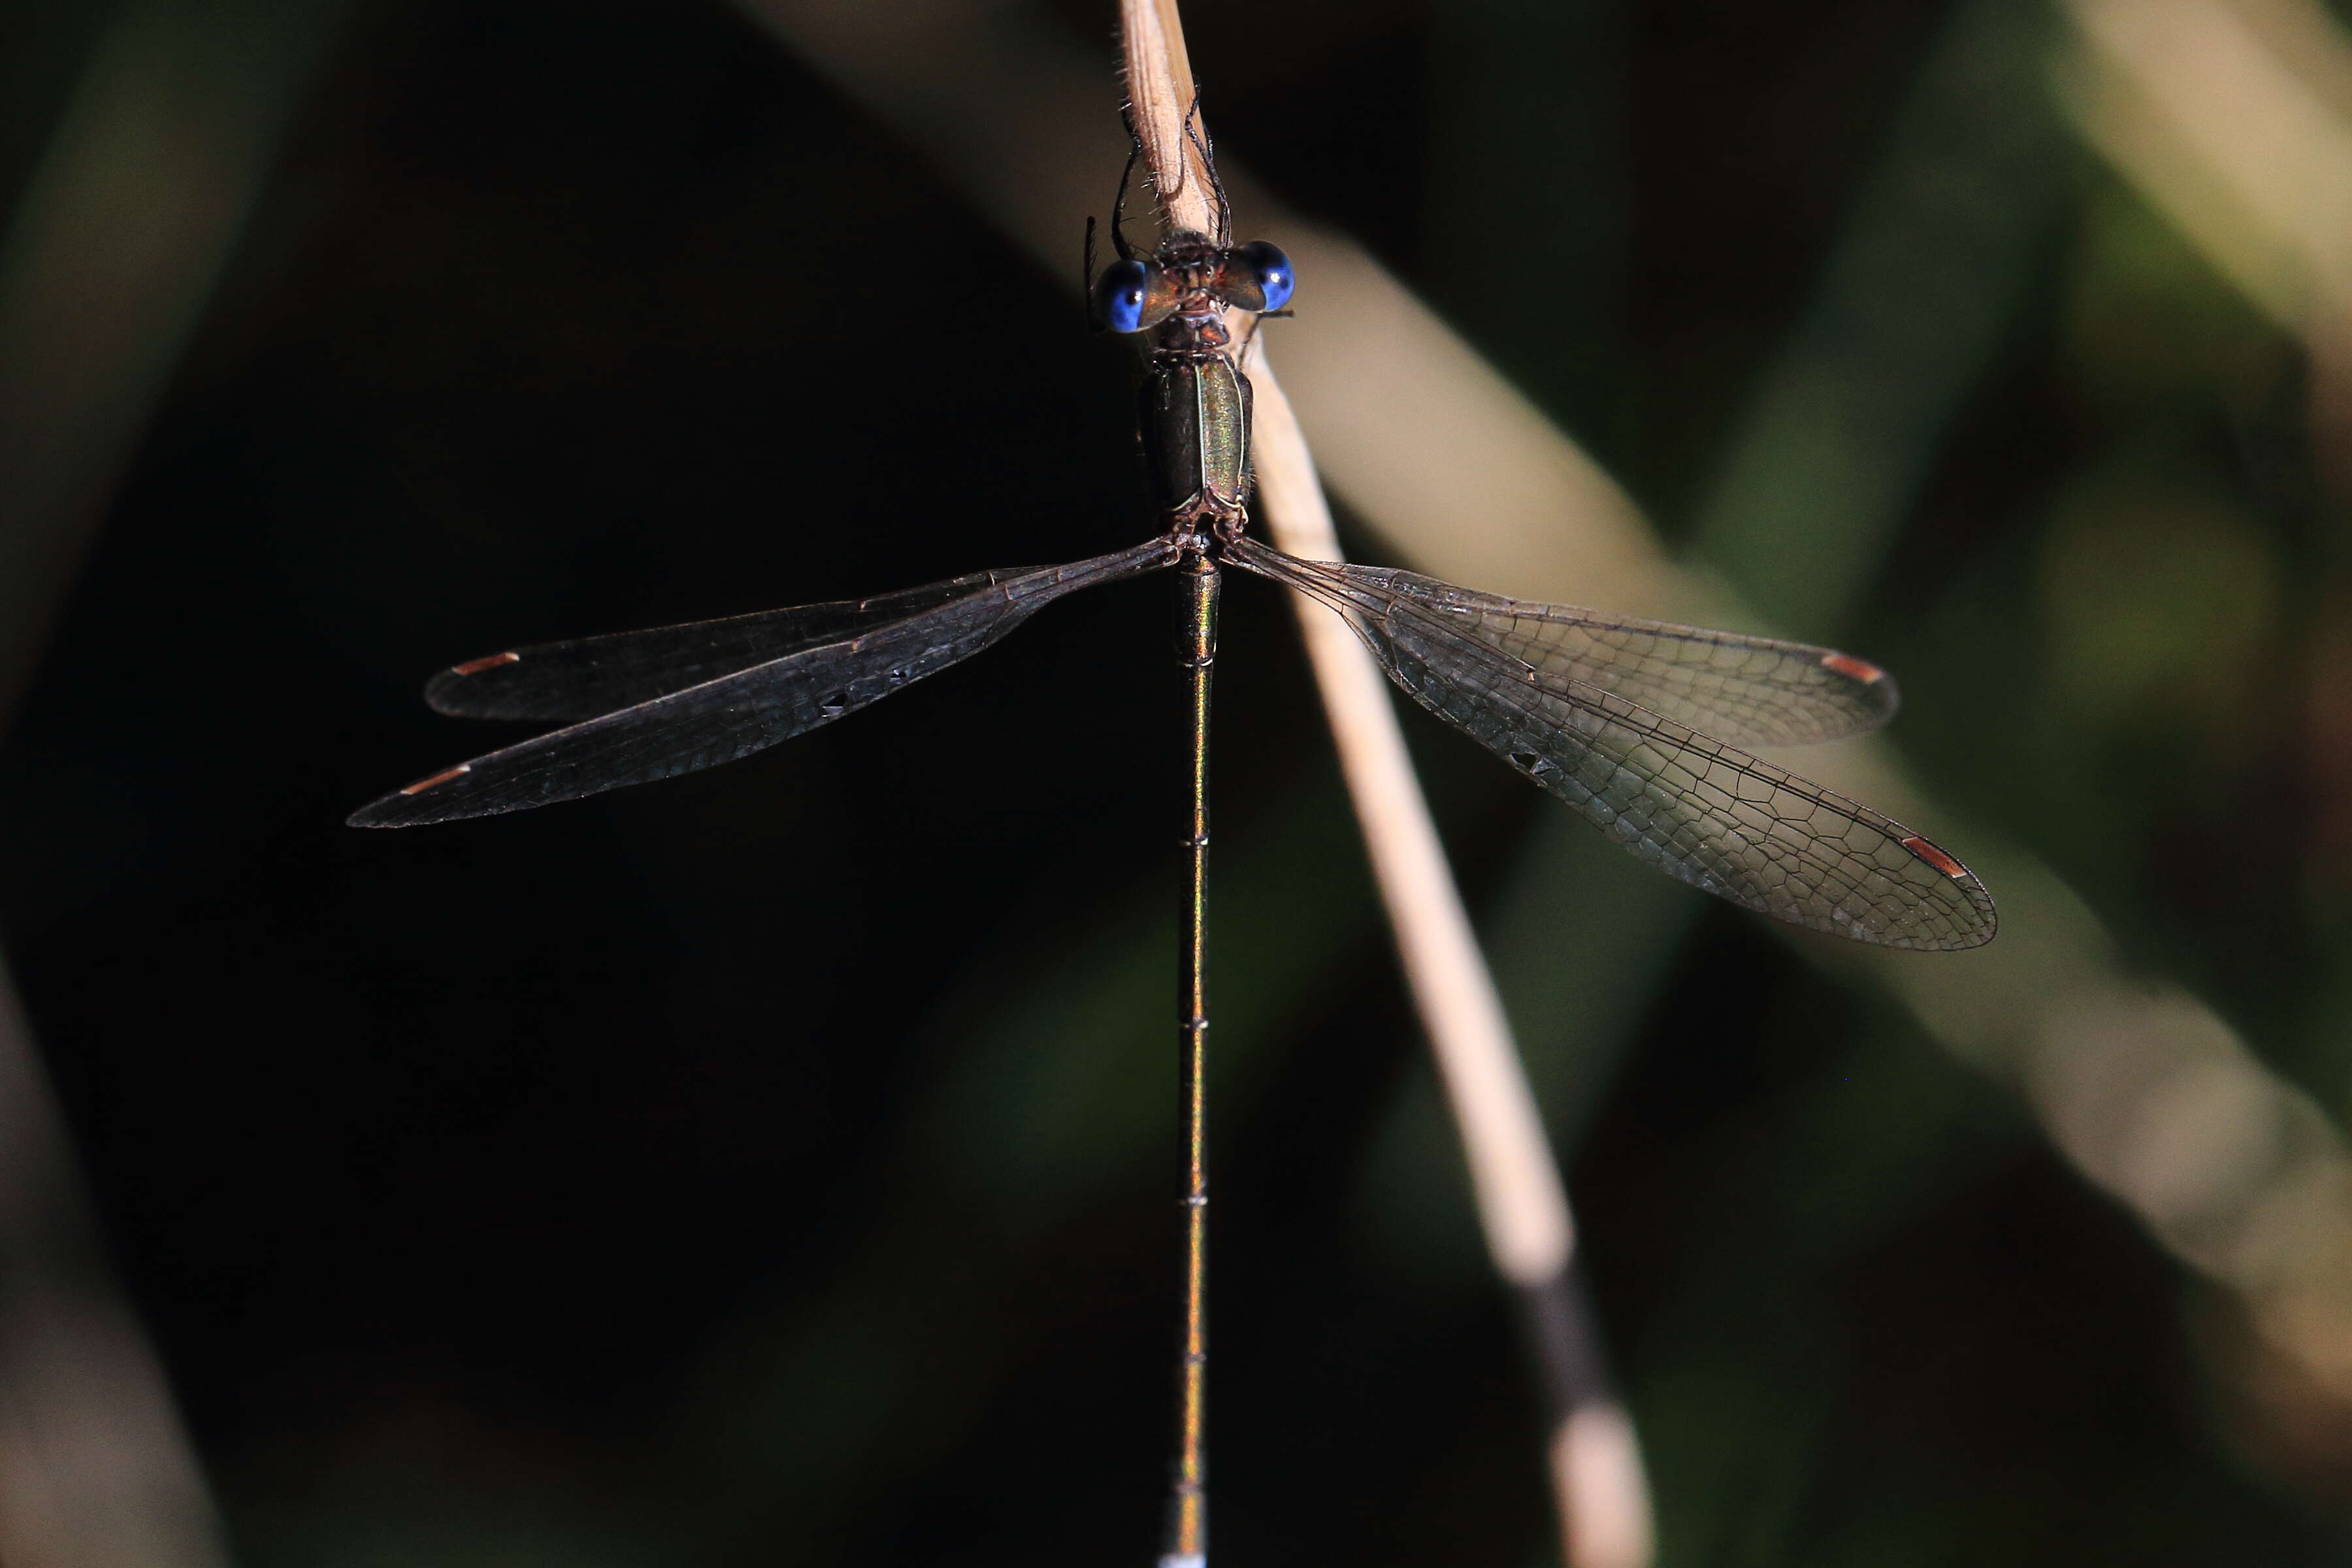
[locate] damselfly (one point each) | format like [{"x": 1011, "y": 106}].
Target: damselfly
[{"x": 1639, "y": 725}]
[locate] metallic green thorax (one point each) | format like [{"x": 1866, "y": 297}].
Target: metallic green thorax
[{"x": 1195, "y": 427}]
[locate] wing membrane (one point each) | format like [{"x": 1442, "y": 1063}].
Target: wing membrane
[
  {"x": 734, "y": 714},
  {"x": 586, "y": 676},
  {"x": 1698, "y": 810},
  {"x": 1748, "y": 690}
]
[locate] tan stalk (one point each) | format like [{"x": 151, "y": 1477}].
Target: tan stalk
[{"x": 1594, "y": 1462}]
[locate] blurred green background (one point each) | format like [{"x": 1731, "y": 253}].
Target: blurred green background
[{"x": 774, "y": 1166}]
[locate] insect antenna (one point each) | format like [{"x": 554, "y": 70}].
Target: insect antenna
[
  {"x": 1118, "y": 207},
  {"x": 1203, "y": 143}
]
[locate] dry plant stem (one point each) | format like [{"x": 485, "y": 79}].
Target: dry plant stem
[
  {"x": 1160, "y": 106},
  {"x": 1595, "y": 1465}
]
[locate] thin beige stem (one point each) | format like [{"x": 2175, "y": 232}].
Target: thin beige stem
[
  {"x": 1160, "y": 96},
  {"x": 1602, "y": 1494},
  {"x": 1520, "y": 1200},
  {"x": 1598, "y": 1486}
]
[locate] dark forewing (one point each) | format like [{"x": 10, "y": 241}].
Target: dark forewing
[
  {"x": 738, "y": 713},
  {"x": 1696, "y": 808},
  {"x": 586, "y": 676},
  {"x": 1748, "y": 690}
]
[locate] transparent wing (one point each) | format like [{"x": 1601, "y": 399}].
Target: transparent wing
[
  {"x": 1748, "y": 690},
  {"x": 585, "y": 677},
  {"x": 736, "y": 714},
  {"x": 1696, "y": 808}
]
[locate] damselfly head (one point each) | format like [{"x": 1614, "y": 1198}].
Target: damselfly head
[
  {"x": 1255, "y": 277},
  {"x": 1134, "y": 296},
  {"x": 1190, "y": 274}
]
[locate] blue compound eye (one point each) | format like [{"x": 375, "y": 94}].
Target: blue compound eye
[
  {"x": 1133, "y": 295},
  {"x": 1270, "y": 269}
]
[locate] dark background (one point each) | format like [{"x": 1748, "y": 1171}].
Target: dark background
[{"x": 774, "y": 1165}]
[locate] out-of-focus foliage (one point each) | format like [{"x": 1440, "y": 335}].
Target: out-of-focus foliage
[{"x": 774, "y": 1165}]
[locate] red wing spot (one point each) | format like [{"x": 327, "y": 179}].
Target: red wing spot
[
  {"x": 421, "y": 785},
  {"x": 1854, "y": 668},
  {"x": 476, "y": 665},
  {"x": 1925, "y": 851}
]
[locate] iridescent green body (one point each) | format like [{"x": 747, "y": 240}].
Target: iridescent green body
[
  {"x": 1195, "y": 426},
  {"x": 1194, "y": 414}
]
